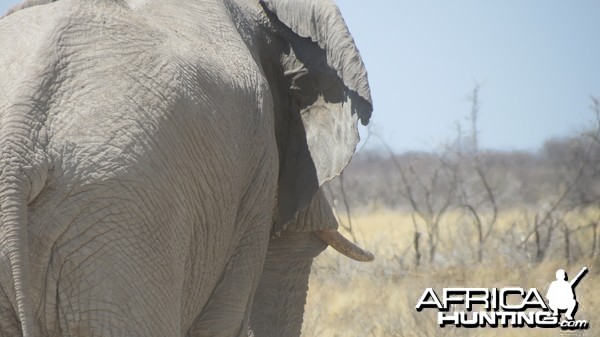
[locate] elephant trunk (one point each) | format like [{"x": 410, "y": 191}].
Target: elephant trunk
[
  {"x": 278, "y": 305},
  {"x": 279, "y": 301}
]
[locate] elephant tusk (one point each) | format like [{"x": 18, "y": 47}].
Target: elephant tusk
[{"x": 338, "y": 242}]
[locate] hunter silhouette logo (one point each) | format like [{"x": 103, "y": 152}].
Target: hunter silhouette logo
[
  {"x": 561, "y": 294},
  {"x": 507, "y": 307}
]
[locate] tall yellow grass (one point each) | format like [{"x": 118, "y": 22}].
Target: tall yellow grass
[{"x": 348, "y": 298}]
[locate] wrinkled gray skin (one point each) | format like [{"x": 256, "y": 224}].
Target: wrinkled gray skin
[{"x": 160, "y": 163}]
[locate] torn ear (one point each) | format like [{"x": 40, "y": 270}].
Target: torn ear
[{"x": 325, "y": 92}]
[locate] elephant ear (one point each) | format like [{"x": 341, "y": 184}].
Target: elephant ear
[{"x": 325, "y": 93}]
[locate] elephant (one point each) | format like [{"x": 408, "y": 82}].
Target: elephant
[{"x": 162, "y": 163}]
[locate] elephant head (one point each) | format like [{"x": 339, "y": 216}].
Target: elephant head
[{"x": 320, "y": 91}]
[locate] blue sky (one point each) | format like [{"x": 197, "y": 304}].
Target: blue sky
[{"x": 538, "y": 61}]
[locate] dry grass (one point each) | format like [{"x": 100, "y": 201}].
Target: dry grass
[{"x": 348, "y": 298}]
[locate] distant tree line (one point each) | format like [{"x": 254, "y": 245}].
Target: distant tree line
[
  {"x": 518, "y": 178},
  {"x": 545, "y": 186}
]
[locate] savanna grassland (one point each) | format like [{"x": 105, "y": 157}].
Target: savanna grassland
[
  {"x": 348, "y": 298},
  {"x": 459, "y": 216}
]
